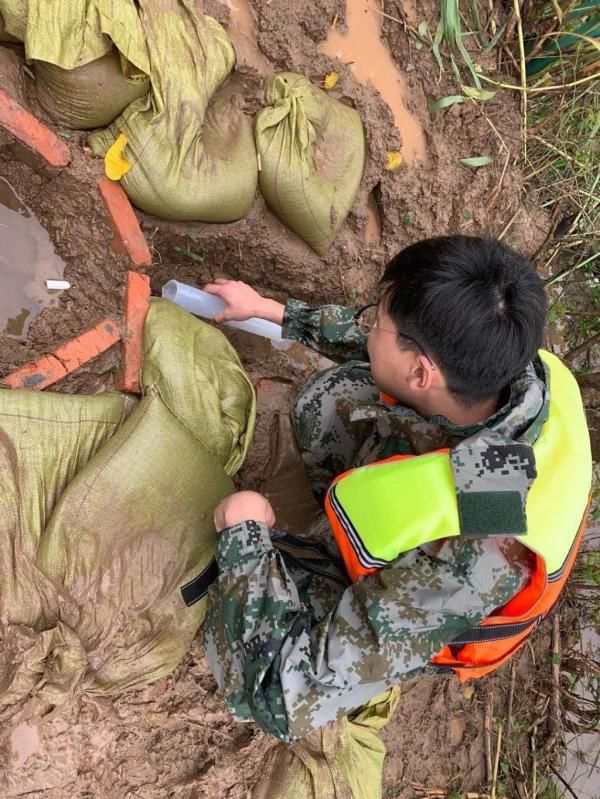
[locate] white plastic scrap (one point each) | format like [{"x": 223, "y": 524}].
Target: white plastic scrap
[{"x": 58, "y": 285}]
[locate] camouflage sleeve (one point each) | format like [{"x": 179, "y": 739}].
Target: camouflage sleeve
[
  {"x": 291, "y": 669},
  {"x": 330, "y": 330}
]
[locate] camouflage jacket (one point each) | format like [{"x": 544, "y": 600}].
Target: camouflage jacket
[{"x": 292, "y": 643}]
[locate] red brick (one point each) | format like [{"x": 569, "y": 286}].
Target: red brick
[
  {"x": 24, "y": 127},
  {"x": 129, "y": 238},
  {"x": 136, "y": 309},
  {"x": 88, "y": 345},
  {"x": 49, "y": 369}
]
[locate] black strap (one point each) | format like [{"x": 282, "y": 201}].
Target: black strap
[
  {"x": 197, "y": 588},
  {"x": 316, "y": 546},
  {"x": 493, "y": 632}
]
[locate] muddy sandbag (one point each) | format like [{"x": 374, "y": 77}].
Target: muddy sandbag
[
  {"x": 312, "y": 151},
  {"x": 343, "y": 759},
  {"x": 4, "y": 36},
  {"x": 190, "y": 145},
  {"x": 106, "y": 506},
  {"x": 89, "y": 55},
  {"x": 90, "y": 96}
]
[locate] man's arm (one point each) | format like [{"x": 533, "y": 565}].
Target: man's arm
[
  {"x": 329, "y": 329},
  {"x": 291, "y": 672}
]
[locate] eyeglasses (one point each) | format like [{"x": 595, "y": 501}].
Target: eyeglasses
[{"x": 366, "y": 321}]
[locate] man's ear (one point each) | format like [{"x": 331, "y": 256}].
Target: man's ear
[{"x": 422, "y": 375}]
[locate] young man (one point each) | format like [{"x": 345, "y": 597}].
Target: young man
[{"x": 447, "y": 360}]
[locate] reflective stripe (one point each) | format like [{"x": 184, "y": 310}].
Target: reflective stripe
[{"x": 363, "y": 555}]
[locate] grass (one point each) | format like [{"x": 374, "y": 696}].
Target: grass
[
  {"x": 555, "y": 55},
  {"x": 551, "y": 50},
  {"x": 450, "y": 31},
  {"x": 561, "y": 43}
]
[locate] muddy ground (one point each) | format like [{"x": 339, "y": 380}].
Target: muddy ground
[{"x": 175, "y": 738}]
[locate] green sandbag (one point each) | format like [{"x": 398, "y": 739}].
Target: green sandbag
[
  {"x": 343, "y": 759},
  {"x": 4, "y": 36},
  {"x": 312, "y": 151},
  {"x": 87, "y": 97},
  {"x": 190, "y": 144},
  {"x": 106, "y": 506},
  {"x": 90, "y": 56}
]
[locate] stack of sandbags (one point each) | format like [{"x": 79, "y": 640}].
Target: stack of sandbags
[
  {"x": 190, "y": 145},
  {"x": 89, "y": 56},
  {"x": 107, "y": 507},
  {"x": 161, "y": 72}
]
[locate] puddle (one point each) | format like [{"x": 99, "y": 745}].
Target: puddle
[
  {"x": 27, "y": 260},
  {"x": 242, "y": 31},
  {"x": 373, "y": 229},
  {"x": 24, "y": 741},
  {"x": 370, "y": 60}
]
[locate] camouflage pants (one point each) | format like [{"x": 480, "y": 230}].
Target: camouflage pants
[{"x": 329, "y": 440}]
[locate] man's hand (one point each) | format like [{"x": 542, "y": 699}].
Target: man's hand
[
  {"x": 243, "y": 507},
  {"x": 242, "y": 302}
]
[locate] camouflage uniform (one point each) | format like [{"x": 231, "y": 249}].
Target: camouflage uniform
[{"x": 292, "y": 643}]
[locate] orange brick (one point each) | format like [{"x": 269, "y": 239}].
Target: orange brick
[
  {"x": 88, "y": 345},
  {"x": 24, "y": 127},
  {"x": 128, "y": 233},
  {"x": 136, "y": 309},
  {"x": 49, "y": 369},
  {"x": 44, "y": 372}
]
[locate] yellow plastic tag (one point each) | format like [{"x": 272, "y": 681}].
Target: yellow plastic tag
[
  {"x": 115, "y": 163},
  {"x": 394, "y": 160},
  {"x": 330, "y": 80}
]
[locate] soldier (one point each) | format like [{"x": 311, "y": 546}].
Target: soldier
[{"x": 429, "y": 550}]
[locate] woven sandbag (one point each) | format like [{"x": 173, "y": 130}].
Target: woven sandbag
[
  {"x": 4, "y": 36},
  {"x": 312, "y": 151},
  {"x": 90, "y": 56},
  {"x": 107, "y": 516},
  {"x": 190, "y": 145},
  {"x": 90, "y": 96},
  {"x": 343, "y": 759}
]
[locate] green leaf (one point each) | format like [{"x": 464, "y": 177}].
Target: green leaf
[
  {"x": 476, "y": 161},
  {"x": 477, "y": 94},
  {"x": 193, "y": 255},
  {"x": 446, "y": 102}
]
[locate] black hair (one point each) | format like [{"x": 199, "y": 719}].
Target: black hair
[{"x": 475, "y": 305}]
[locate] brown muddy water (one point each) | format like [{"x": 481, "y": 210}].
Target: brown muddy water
[
  {"x": 369, "y": 58},
  {"x": 27, "y": 260}
]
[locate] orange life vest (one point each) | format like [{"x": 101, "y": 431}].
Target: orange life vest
[{"x": 380, "y": 511}]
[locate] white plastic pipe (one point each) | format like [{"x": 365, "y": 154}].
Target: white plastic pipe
[{"x": 201, "y": 303}]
